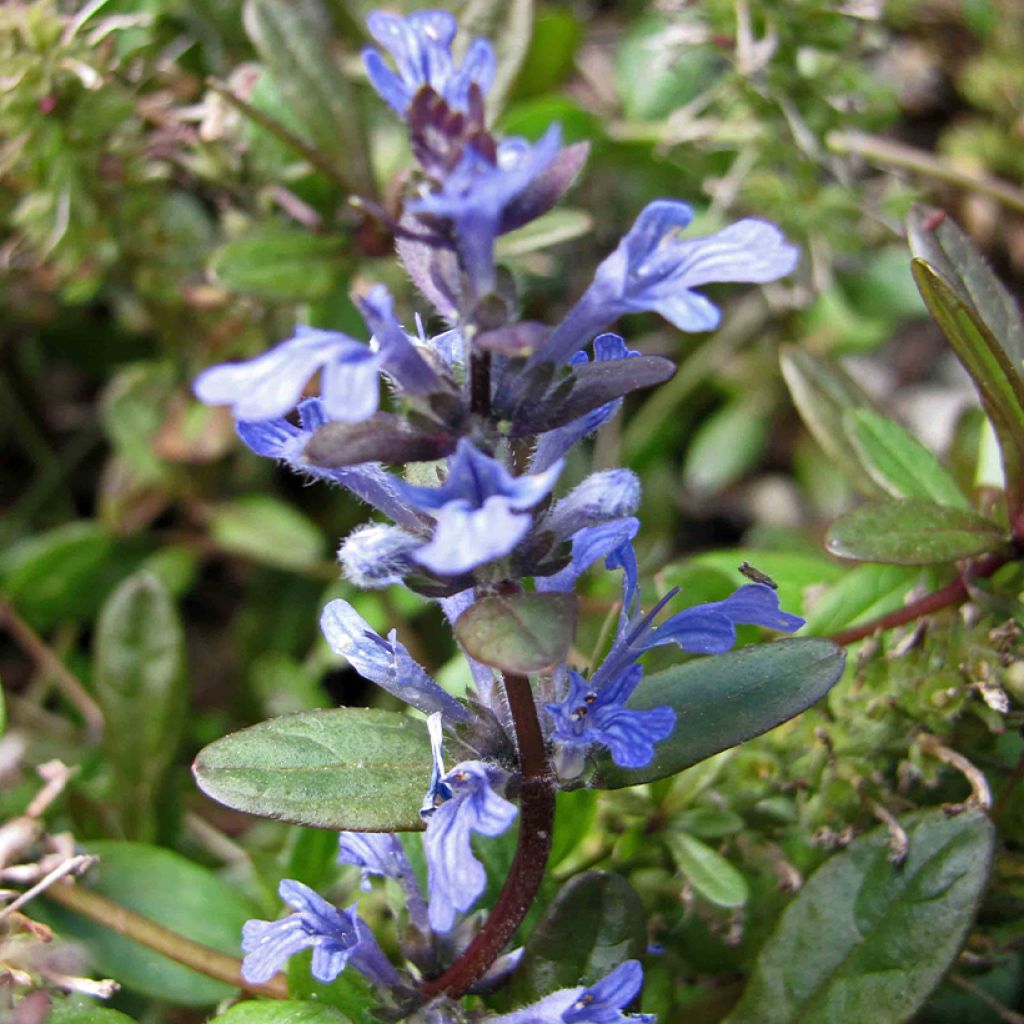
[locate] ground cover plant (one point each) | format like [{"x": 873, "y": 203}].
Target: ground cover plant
[{"x": 647, "y": 370}]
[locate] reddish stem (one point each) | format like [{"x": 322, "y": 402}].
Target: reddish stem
[
  {"x": 536, "y": 821},
  {"x": 949, "y": 596}
]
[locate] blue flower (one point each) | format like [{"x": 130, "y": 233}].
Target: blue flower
[
  {"x": 588, "y": 545},
  {"x": 591, "y": 716},
  {"x": 600, "y": 498},
  {"x": 476, "y": 193},
  {"x": 555, "y": 443},
  {"x": 421, "y": 47},
  {"x": 601, "y": 1003},
  {"x": 282, "y": 440},
  {"x": 653, "y": 270},
  {"x": 335, "y": 936},
  {"x": 377, "y": 555},
  {"x": 385, "y": 662},
  {"x": 711, "y": 628},
  {"x": 456, "y": 877},
  {"x": 271, "y": 385},
  {"x": 481, "y": 510},
  {"x": 380, "y": 854},
  {"x": 399, "y": 356}
]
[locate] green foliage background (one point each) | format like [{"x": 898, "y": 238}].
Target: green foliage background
[{"x": 152, "y": 227}]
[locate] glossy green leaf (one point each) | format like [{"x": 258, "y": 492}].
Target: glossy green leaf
[
  {"x": 508, "y": 25},
  {"x": 998, "y": 382},
  {"x": 284, "y": 1011},
  {"x": 710, "y": 874},
  {"x": 823, "y": 394},
  {"x": 551, "y": 228},
  {"x": 594, "y": 924},
  {"x": 725, "y": 445},
  {"x": 898, "y": 462},
  {"x": 85, "y": 1013},
  {"x": 267, "y": 530},
  {"x": 862, "y": 594},
  {"x": 574, "y": 815},
  {"x": 63, "y": 573},
  {"x": 174, "y": 892},
  {"x": 350, "y": 768},
  {"x": 867, "y": 940},
  {"x": 723, "y": 700},
  {"x": 280, "y": 264},
  {"x": 141, "y": 689},
  {"x": 793, "y": 571},
  {"x": 519, "y": 633},
  {"x": 957, "y": 259},
  {"x": 911, "y": 533},
  {"x": 322, "y": 98}
]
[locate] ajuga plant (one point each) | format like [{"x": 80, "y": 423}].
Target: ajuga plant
[{"x": 481, "y": 414}]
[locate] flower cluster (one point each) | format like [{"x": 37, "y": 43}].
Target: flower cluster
[{"x": 487, "y": 408}]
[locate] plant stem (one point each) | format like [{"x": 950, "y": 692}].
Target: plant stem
[
  {"x": 480, "y": 383},
  {"x": 878, "y": 150},
  {"x": 536, "y": 821},
  {"x": 949, "y": 596},
  {"x": 120, "y": 919},
  {"x": 67, "y": 682}
]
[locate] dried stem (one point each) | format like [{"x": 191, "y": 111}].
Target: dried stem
[
  {"x": 981, "y": 794},
  {"x": 949, "y": 596},
  {"x": 68, "y": 684},
  {"x": 120, "y": 919},
  {"x": 536, "y": 821}
]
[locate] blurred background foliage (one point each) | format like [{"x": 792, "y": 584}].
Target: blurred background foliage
[{"x": 175, "y": 190}]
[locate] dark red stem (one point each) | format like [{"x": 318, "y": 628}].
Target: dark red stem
[
  {"x": 536, "y": 821},
  {"x": 949, "y": 596}
]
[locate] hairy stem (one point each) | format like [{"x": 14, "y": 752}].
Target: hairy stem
[
  {"x": 120, "y": 919},
  {"x": 949, "y": 596},
  {"x": 536, "y": 821},
  {"x": 480, "y": 383}
]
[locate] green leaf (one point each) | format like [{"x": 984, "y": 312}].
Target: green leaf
[
  {"x": 267, "y": 530},
  {"x": 284, "y": 1011},
  {"x": 793, "y": 571},
  {"x": 140, "y": 688},
  {"x": 708, "y": 822},
  {"x": 823, "y": 394},
  {"x": 63, "y": 573},
  {"x": 574, "y": 817},
  {"x": 867, "y": 940},
  {"x": 519, "y": 633},
  {"x": 350, "y": 994},
  {"x": 898, "y": 462},
  {"x": 174, "y": 892},
  {"x": 725, "y": 446},
  {"x": 281, "y": 264},
  {"x": 911, "y": 533},
  {"x": 85, "y": 1013},
  {"x": 508, "y": 25},
  {"x": 710, "y": 874},
  {"x": 956, "y": 258},
  {"x": 323, "y": 99},
  {"x": 557, "y": 35},
  {"x": 552, "y": 228},
  {"x": 998, "y": 382},
  {"x": 594, "y": 924},
  {"x": 350, "y": 768},
  {"x": 864, "y": 593},
  {"x": 726, "y": 699},
  {"x": 132, "y": 409}
]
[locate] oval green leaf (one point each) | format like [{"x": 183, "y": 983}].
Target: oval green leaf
[
  {"x": 140, "y": 687},
  {"x": 997, "y": 380},
  {"x": 519, "y": 633},
  {"x": 320, "y": 96},
  {"x": 898, "y": 462},
  {"x": 710, "y": 874},
  {"x": 284, "y": 1011},
  {"x": 86, "y": 1013},
  {"x": 724, "y": 700},
  {"x": 172, "y": 891},
  {"x": 280, "y": 264},
  {"x": 267, "y": 530},
  {"x": 867, "y": 940},
  {"x": 594, "y": 924},
  {"x": 911, "y": 533},
  {"x": 349, "y": 768}
]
